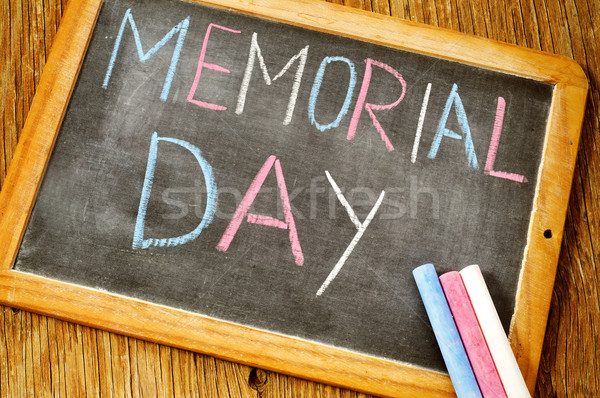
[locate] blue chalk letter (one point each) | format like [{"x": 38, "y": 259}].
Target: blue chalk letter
[
  {"x": 211, "y": 197},
  {"x": 442, "y": 131},
  {"x": 314, "y": 93},
  {"x": 180, "y": 28}
]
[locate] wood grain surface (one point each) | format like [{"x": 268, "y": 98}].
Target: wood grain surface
[{"x": 41, "y": 356}]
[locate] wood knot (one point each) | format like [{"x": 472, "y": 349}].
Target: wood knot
[{"x": 257, "y": 379}]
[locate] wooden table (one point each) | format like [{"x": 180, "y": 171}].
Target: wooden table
[{"x": 41, "y": 356}]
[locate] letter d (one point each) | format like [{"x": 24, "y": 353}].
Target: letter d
[{"x": 211, "y": 198}]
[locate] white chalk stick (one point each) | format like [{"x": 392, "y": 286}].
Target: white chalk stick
[{"x": 494, "y": 334}]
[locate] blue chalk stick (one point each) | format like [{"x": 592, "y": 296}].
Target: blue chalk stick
[{"x": 446, "y": 332}]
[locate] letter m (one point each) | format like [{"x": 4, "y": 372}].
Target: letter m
[
  {"x": 180, "y": 28},
  {"x": 256, "y": 53}
]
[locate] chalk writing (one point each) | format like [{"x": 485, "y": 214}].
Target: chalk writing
[
  {"x": 362, "y": 96},
  {"x": 314, "y": 93},
  {"x": 211, "y": 194},
  {"x": 413, "y": 155},
  {"x": 491, "y": 157},
  {"x": 202, "y": 64},
  {"x": 391, "y": 79},
  {"x": 242, "y": 211},
  {"x": 442, "y": 131},
  {"x": 180, "y": 28},
  {"x": 256, "y": 53},
  {"x": 361, "y": 228}
]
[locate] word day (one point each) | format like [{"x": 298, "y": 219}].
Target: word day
[
  {"x": 242, "y": 212},
  {"x": 299, "y": 60}
]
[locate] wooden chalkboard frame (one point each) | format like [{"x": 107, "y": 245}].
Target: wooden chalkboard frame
[{"x": 268, "y": 350}]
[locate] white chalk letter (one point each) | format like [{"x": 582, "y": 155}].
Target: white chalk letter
[
  {"x": 256, "y": 53},
  {"x": 361, "y": 227}
]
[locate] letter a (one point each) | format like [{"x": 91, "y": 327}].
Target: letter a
[
  {"x": 242, "y": 211},
  {"x": 442, "y": 131}
]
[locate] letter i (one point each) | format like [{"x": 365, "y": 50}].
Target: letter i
[{"x": 413, "y": 156}]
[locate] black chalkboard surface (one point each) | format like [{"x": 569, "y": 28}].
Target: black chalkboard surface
[{"x": 285, "y": 179}]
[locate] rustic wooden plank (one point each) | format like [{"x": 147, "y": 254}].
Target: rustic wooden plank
[
  {"x": 17, "y": 363},
  {"x": 493, "y": 16},
  {"x": 10, "y": 78},
  {"x": 590, "y": 157},
  {"x": 581, "y": 296},
  {"x": 4, "y": 357},
  {"x": 56, "y": 366},
  {"x": 153, "y": 374},
  {"x": 206, "y": 372},
  {"x": 400, "y": 9},
  {"x": 26, "y": 334},
  {"x": 166, "y": 367},
  {"x": 134, "y": 364},
  {"x": 121, "y": 371},
  {"x": 504, "y": 24},
  {"x": 306, "y": 388},
  {"x": 355, "y": 4},
  {"x": 7, "y": 91},
  {"x": 544, "y": 25},
  {"x": 532, "y": 32},
  {"x": 52, "y": 13},
  {"x": 430, "y": 16},
  {"x": 380, "y": 6},
  {"x": 19, "y": 57},
  {"x": 340, "y": 2},
  {"x": 41, "y": 357},
  {"x": 589, "y": 15},
  {"x": 560, "y": 29},
  {"x": 447, "y": 13},
  {"x": 185, "y": 379},
  {"x": 569, "y": 365},
  {"x": 480, "y": 14},
  {"x": 91, "y": 366},
  {"x": 417, "y": 10},
  {"x": 37, "y": 40},
  {"x": 518, "y": 25},
  {"x": 147, "y": 360},
  {"x": 465, "y": 19},
  {"x": 235, "y": 377},
  {"x": 67, "y": 343},
  {"x": 36, "y": 353},
  {"x": 105, "y": 376}
]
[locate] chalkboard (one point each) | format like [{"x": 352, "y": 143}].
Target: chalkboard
[{"x": 288, "y": 180}]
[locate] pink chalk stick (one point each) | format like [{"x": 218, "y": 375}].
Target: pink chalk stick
[{"x": 472, "y": 336}]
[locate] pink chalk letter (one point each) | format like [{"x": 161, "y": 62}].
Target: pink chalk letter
[
  {"x": 202, "y": 65},
  {"x": 491, "y": 156},
  {"x": 362, "y": 96},
  {"x": 242, "y": 211}
]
